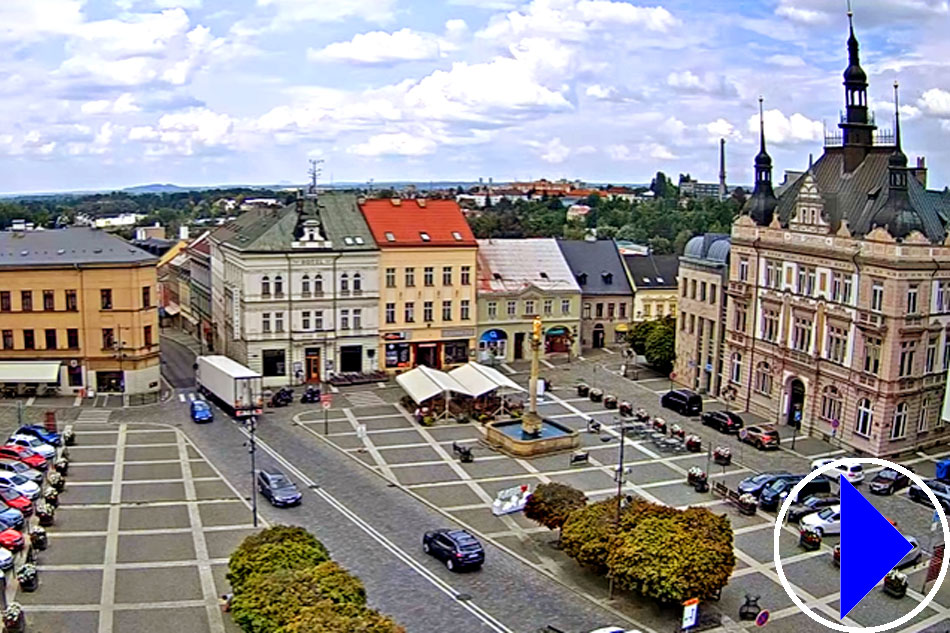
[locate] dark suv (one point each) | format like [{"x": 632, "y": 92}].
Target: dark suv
[
  {"x": 723, "y": 421},
  {"x": 456, "y": 548},
  {"x": 277, "y": 489},
  {"x": 683, "y": 401},
  {"x": 755, "y": 484},
  {"x": 774, "y": 494}
]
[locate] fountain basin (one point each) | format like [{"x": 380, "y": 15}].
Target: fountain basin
[{"x": 510, "y": 438}]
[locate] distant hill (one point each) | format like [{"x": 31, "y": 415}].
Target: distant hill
[{"x": 157, "y": 188}]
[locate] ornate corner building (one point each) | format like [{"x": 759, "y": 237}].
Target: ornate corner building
[{"x": 839, "y": 290}]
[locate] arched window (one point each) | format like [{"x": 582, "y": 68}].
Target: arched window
[
  {"x": 763, "y": 378},
  {"x": 357, "y": 282},
  {"x": 344, "y": 283},
  {"x": 899, "y": 426},
  {"x": 318, "y": 284},
  {"x": 831, "y": 403},
  {"x": 278, "y": 285},
  {"x": 305, "y": 285},
  {"x": 736, "y": 367},
  {"x": 865, "y": 418},
  {"x": 265, "y": 286},
  {"x": 923, "y": 420}
]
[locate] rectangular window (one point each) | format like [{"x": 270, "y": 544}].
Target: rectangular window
[
  {"x": 610, "y": 310},
  {"x": 146, "y": 297},
  {"x": 278, "y": 321},
  {"x": 846, "y": 293},
  {"x": 702, "y": 291},
  {"x": 600, "y": 310},
  {"x": 390, "y": 313},
  {"x": 946, "y": 353},
  {"x": 344, "y": 319},
  {"x": 71, "y": 304},
  {"x": 872, "y": 355},
  {"x": 49, "y": 300},
  {"x": 390, "y": 277},
  {"x": 492, "y": 310},
  {"x": 318, "y": 320},
  {"x": 647, "y": 310},
  {"x": 410, "y": 277},
  {"x": 623, "y": 310},
  {"x": 410, "y": 312},
  {"x": 685, "y": 285},
  {"x": 305, "y": 320},
  {"x": 5, "y": 301},
  {"x": 512, "y": 309},
  {"x": 427, "y": 311},
  {"x": 29, "y": 340},
  {"x": 8, "y": 339},
  {"x": 877, "y": 296},
  {"x": 465, "y": 310},
  {"x": 466, "y": 276},
  {"x": 446, "y": 275},
  {"x": 931, "y": 358},
  {"x": 26, "y": 300},
  {"x": 836, "y": 287},
  {"x": 108, "y": 338},
  {"x": 586, "y": 310},
  {"x": 273, "y": 362},
  {"x": 265, "y": 322},
  {"x": 912, "y": 299},
  {"x": 743, "y": 269},
  {"x": 148, "y": 335},
  {"x": 446, "y": 310},
  {"x": 837, "y": 344},
  {"x": 357, "y": 319},
  {"x": 72, "y": 338},
  {"x": 773, "y": 274},
  {"x": 906, "y": 366},
  {"x": 692, "y": 323},
  {"x": 712, "y": 294},
  {"x": 739, "y": 323},
  {"x": 692, "y": 288},
  {"x": 770, "y": 325},
  {"x": 548, "y": 307},
  {"x": 50, "y": 336},
  {"x": 529, "y": 307},
  {"x": 105, "y": 299},
  {"x": 428, "y": 275}
]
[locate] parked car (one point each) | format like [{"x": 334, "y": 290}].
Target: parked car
[
  {"x": 854, "y": 473},
  {"x": 683, "y": 401},
  {"x": 723, "y": 421},
  {"x": 762, "y": 436},
  {"x": 35, "y": 444},
  {"x": 13, "y": 466},
  {"x": 6, "y": 560},
  {"x": 456, "y": 548},
  {"x": 913, "y": 556},
  {"x": 201, "y": 411},
  {"x": 12, "y": 540},
  {"x": 37, "y": 431},
  {"x": 11, "y": 518},
  {"x": 939, "y": 488},
  {"x": 776, "y": 492},
  {"x": 23, "y": 454},
  {"x": 17, "y": 500},
  {"x": 827, "y": 520},
  {"x": 756, "y": 483},
  {"x": 813, "y": 503},
  {"x": 276, "y": 488},
  {"x": 21, "y": 484},
  {"x": 888, "y": 481}
]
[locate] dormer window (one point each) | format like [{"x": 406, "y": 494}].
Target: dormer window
[
  {"x": 607, "y": 277},
  {"x": 348, "y": 241},
  {"x": 424, "y": 236},
  {"x": 544, "y": 275},
  {"x": 497, "y": 276},
  {"x": 659, "y": 280},
  {"x": 359, "y": 240},
  {"x": 390, "y": 237},
  {"x": 457, "y": 236},
  {"x": 582, "y": 279}
]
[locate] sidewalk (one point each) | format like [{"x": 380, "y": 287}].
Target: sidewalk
[{"x": 181, "y": 338}]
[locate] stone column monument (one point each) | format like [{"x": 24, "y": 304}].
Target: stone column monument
[{"x": 531, "y": 421}]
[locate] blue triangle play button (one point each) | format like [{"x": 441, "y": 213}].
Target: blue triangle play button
[{"x": 870, "y": 547}]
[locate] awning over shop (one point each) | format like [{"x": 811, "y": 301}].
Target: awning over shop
[
  {"x": 482, "y": 379},
  {"x": 30, "y": 371},
  {"x": 622, "y": 327},
  {"x": 423, "y": 383},
  {"x": 172, "y": 308}
]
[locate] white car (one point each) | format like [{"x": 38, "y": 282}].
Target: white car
[
  {"x": 34, "y": 444},
  {"x": 6, "y": 559},
  {"x": 826, "y": 521},
  {"x": 854, "y": 473},
  {"x": 21, "y": 484}
]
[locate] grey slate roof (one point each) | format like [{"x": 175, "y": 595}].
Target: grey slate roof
[
  {"x": 68, "y": 247},
  {"x": 709, "y": 248},
  {"x": 857, "y": 196},
  {"x": 595, "y": 259},
  {"x": 270, "y": 229},
  {"x": 653, "y": 271}
]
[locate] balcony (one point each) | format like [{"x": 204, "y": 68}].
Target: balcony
[
  {"x": 802, "y": 358},
  {"x": 736, "y": 338},
  {"x": 913, "y": 323},
  {"x": 740, "y": 289},
  {"x": 871, "y": 321}
]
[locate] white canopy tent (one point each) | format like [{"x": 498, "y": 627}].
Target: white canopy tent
[
  {"x": 481, "y": 379},
  {"x": 423, "y": 383},
  {"x": 30, "y": 371}
]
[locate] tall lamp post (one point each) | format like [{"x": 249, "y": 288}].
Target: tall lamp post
[
  {"x": 251, "y": 425},
  {"x": 620, "y": 477}
]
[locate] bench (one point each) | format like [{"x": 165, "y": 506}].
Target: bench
[
  {"x": 464, "y": 453},
  {"x": 593, "y": 426},
  {"x": 580, "y": 457}
]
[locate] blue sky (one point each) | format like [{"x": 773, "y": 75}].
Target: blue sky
[{"x": 113, "y": 93}]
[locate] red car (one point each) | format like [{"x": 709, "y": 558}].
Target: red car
[
  {"x": 16, "y": 500},
  {"x": 762, "y": 436},
  {"x": 12, "y": 540},
  {"x": 22, "y": 454}
]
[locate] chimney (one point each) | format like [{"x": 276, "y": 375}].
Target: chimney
[
  {"x": 920, "y": 172},
  {"x": 722, "y": 169}
]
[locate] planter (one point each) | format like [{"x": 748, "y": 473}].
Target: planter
[
  {"x": 695, "y": 475},
  {"x": 57, "y": 481},
  {"x": 596, "y": 395},
  {"x": 69, "y": 437},
  {"x": 677, "y": 431},
  {"x": 38, "y": 539},
  {"x": 701, "y": 486},
  {"x": 45, "y": 515},
  {"x": 747, "y": 504},
  {"x": 693, "y": 443},
  {"x": 61, "y": 466},
  {"x": 722, "y": 456},
  {"x": 14, "y": 620},
  {"x": 809, "y": 540},
  {"x": 895, "y": 584},
  {"x": 610, "y": 402},
  {"x": 27, "y": 577},
  {"x": 659, "y": 425},
  {"x": 626, "y": 408},
  {"x": 836, "y": 555},
  {"x": 583, "y": 390},
  {"x": 51, "y": 497}
]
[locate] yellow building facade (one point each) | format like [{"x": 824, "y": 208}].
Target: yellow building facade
[{"x": 78, "y": 312}]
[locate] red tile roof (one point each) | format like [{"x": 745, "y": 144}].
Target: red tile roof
[{"x": 407, "y": 220}]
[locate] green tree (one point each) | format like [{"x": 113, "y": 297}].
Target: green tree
[
  {"x": 587, "y": 533},
  {"x": 341, "y": 619},
  {"x": 638, "y": 334},
  {"x": 552, "y": 503},
  {"x": 660, "y": 347},
  {"x": 277, "y": 548},
  {"x": 660, "y": 245},
  {"x": 606, "y": 232}
]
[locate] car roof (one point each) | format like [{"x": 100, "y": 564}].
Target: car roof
[{"x": 272, "y": 472}]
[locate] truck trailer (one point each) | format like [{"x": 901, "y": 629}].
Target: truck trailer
[{"x": 233, "y": 386}]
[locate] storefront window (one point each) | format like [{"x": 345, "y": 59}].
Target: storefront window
[
  {"x": 455, "y": 352},
  {"x": 274, "y": 362},
  {"x": 397, "y": 355}
]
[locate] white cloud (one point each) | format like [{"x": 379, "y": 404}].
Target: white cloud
[
  {"x": 186, "y": 132},
  {"x": 552, "y": 152},
  {"x": 721, "y": 128},
  {"x": 603, "y": 93},
  {"x": 780, "y": 129},
  {"x": 658, "y": 151},
  {"x": 397, "y": 144},
  {"x": 619, "y": 152},
  {"x": 492, "y": 5},
  {"x": 123, "y": 104},
  {"x": 787, "y": 61},
  {"x": 380, "y": 47},
  {"x": 30, "y": 20},
  {"x": 935, "y": 102},
  {"x": 290, "y": 13},
  {"x": 174, "y": 4},
  {"x": 867, "y": 12},
  {"x": 805, "y": 16},
  {"x": 708, "y": 83}
]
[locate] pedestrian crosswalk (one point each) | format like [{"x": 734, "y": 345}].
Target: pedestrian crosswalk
[
  {"x": 94, "y": 416},
  {"x": 364, "y": 399},
  {"x": 189, "y": 397}
]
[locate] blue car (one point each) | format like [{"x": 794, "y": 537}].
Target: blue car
[
  {"x": 11, "y": 518},
  {"x": 35, "y": 430},
  {"x": 201, "y": 411}
]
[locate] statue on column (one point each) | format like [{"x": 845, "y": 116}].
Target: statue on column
[{"x": 531, "y": 421}]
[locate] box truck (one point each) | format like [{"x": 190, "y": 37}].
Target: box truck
[{"x": 233, "y": 386}]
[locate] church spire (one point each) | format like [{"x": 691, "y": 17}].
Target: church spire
[
  {"x": 898, "y": 161},
  {"x": 761, "y": 206},
  {"x": 857, "y": 125}
]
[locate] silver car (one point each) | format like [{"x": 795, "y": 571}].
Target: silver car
[{"x": 19, "y": 468}]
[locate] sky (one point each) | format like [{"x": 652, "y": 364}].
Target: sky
[{"x": 112, "y": 93}]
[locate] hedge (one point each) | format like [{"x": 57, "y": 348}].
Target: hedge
[
  {"x": 274, "y": 549},
  {"x": 342, "y": 619}
]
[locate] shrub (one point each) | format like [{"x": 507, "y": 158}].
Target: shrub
[
  {"x": 551, "y": 504},
  {"x": 341, "y": 619},
  {"x": 277, "y": 548},
  {"x": 586, "y": 534}
]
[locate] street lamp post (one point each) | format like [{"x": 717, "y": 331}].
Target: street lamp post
[
  {"x": 252, "y": 429},
  {"x": 620, "y": 481}
]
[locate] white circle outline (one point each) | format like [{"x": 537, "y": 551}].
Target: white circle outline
[{"x": 787, "y": 504}]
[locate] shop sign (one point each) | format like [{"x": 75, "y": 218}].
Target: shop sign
[
  {"x": 395, "y": 336},
  {"x": 459, "y": 333}
]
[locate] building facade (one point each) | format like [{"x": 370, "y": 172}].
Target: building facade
[
  {"x": 701, "y": 326},
  {"x": 840, "y": 291},
  {"x": 518, "y": 280},
  {"x": 85, "y": 301},
  {"x": 427, "y": 267},
  {"x": 606, "y": 293},
  {"x": 294, "y": 290},
  {"x": 197, "y": 316},
  {"x": 655, "y": 285}
]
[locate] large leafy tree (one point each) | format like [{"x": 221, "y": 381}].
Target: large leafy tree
[
  {"x": 587, "y": 533},
  {"x": 660, "y": 347},
  {"x": 278, "y": 548},
  {"x": 552, "y": 503},
  {"x": 341, "y": 619},
  {"x": 638, "y": 334}
]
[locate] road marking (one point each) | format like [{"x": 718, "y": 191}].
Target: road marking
[
  {"x": 608, "y": 350},
  {"x": 364, "y": 399},
  {"x": 107, "y": 595},
  {"x": 333, "y": 389},
  {"x": 181, "y": 397},
  {"x": 546, "y": 363},
  {"x": 30, "y": 401},
  {"x": 469, "y": 605},
  {"x": 191, "y": 396},
  {"x": 78, "y": 401},
  {"x": 508, "y": 368},
  {"x": 381, "y": 385},
  {"x": 368, "y": 444}
]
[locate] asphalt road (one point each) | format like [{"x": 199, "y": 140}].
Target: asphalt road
[{"x": 177, "y": 364}]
